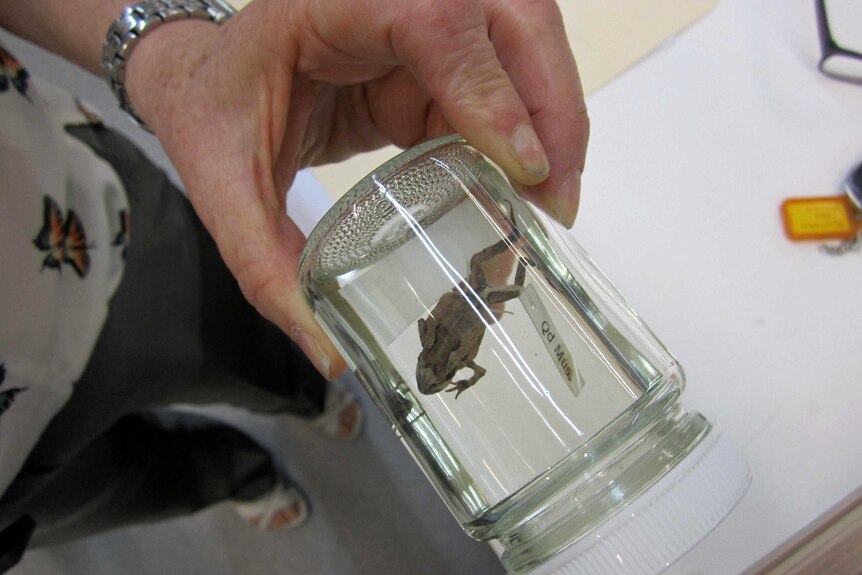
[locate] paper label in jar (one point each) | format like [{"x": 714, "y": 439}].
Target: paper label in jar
[{"x": 550, "y": 336}]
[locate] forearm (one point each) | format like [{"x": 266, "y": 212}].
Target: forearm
[{"x": 74, "y": 30}]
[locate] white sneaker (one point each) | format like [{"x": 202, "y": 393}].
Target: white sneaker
[
  {"x": 281, "y": 509},
  {"x": 342, "y": 415}
]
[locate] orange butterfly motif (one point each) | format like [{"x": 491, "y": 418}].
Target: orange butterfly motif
[
  {"x": 64, "y": 240},
  {"x": 11, "y": 71}
]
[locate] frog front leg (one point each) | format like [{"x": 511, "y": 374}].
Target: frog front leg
[{"x": 459, "y": 386}]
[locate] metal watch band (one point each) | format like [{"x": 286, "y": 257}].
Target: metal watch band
[{"x": 140, "y": 19}]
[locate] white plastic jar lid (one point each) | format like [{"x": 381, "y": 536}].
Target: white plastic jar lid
[{"x": 664, "y": 522}]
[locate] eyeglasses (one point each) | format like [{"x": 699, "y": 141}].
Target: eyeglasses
[{"x": 836, "y": 62}]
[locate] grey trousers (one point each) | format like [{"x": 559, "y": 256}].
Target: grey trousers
[{"x": 178, "y": 330}]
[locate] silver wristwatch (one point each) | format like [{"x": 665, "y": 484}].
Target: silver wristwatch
[{"x": 140, "y": 19}]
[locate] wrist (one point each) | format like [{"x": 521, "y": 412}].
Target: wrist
[
  {"x": 142, "y": 28},
  {"x": 160, "y": 62}
]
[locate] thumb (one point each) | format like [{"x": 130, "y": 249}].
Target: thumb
[
  {"x": 269, "y": 279},
  {"x": 262, "y": 246},
  {"x": 222, "y": 148}
]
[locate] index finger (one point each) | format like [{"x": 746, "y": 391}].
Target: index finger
[
  {"x": 531, "y": 43},
  {"x": 446, "y": 46}
]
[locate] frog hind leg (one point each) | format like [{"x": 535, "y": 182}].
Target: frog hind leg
[
  {"x": 505, "y": 293},
  {"x": 498, "y": 295},
  {"x": 464, "y": 384}
]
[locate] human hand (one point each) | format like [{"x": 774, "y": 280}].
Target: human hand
[{"x": 288, "y": 84}]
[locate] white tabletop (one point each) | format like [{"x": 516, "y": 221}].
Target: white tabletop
[{"x": 691, "y": 154}]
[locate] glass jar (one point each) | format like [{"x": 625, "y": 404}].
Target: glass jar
[{"x": 533, "y": 398}]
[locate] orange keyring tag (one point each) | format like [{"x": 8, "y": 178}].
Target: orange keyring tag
[{"x": 820, "y": 218}]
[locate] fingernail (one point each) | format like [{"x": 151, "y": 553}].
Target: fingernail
[
  {"x": 567, "y": 199},
  {"x": 529, "y": 152},
  {"x": 312, "y": 349}
]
